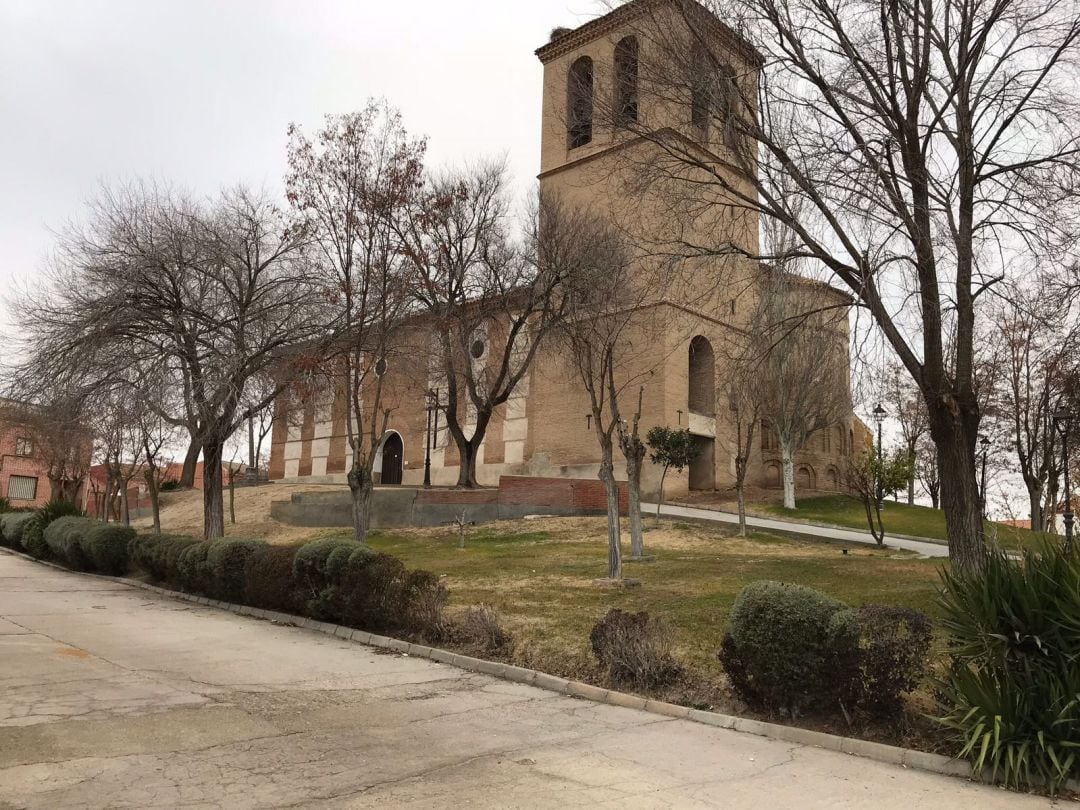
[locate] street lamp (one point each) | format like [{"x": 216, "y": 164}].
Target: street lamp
[
  {"x": 879, "y": 414},
  {"x": 1062, "y": 421},
  {"x": 432, "y": 408},
  {"x": 984, "y": 443}
]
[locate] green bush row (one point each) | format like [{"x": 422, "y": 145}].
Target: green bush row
[
  {"x": 86, "y": 544},
  {"x": 335, "y": 580}
]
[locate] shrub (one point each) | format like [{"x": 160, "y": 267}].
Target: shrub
[
  {"x": 269, "y": 581},
  {"x": 1011, "y": 698},
  {"x": 776, "y": 652},
  {"x": 635, "y": 649},
  {"x": 226, "y": 560},
  {"x": 481, "y": 627},
  {"x": 12, "y": 525},
  {"x": 881, "y": 652},
  {"x": 65, "y": 538},
  {"x": 5, "y": 505},
  {"x": 192, "y": 572},
  {"x": 423, "y": 602},
  {"x": 371, "y": 593},
  {"x": 33, "y": 538},
  {"x": 311, "y": 560},
  {"x": 106, "y": 546},
  {"x": 57, "y": 508},
  {"x": 157, "y": 554}
]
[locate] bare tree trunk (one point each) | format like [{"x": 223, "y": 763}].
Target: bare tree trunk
[
  {"x": 633, "y": 486},
  {"x": 232, "y": 496},
  {"x": 125, "y": 506},
  {"x": 1035, "y": 505},
  {"x": 213, "y": 497},
  {"x": 611, "y": 490},
  {"x": 959, "y": 494},
  {"x": 660, "y": 499},
  {"x": 191, "y": 461},
  {"x": 741, "y": 494},
  {"x": 788, "y": 460},
  {"x": 155, "y": 497},
  {"x": 911, "y": 485},
  {"x": 362, "y": 487},
  {"x": 467, "y": 471}
]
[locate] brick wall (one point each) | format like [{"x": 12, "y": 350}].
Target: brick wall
[{"x": 564, "y": 493}]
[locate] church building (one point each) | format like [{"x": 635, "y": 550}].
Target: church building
[{"x": 595, "y": 104}]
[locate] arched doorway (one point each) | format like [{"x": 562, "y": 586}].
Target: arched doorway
[
  {"x": 393, "y": 452},
  {"x": 701, "y": 400}
]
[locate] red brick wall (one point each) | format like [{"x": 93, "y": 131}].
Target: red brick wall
[{"x": 570, "y": 493}]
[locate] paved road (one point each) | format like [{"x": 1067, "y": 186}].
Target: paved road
[
  {"x": 924, "y": 547},
  {"x": 110, "y": 697}
]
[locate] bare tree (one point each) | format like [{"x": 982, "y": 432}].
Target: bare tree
[
  {"x": 350, "y": 186},
  {"x": 926, "y": 469},
  {"x": 745, "y": 403},
  {"x": 930, "y": 148},
  {"x": 489, "y": 298},
  {"x": 1036, "y": 350},
  {"x": 56, "y": 425},
  {"x": 598, "y": 335},
  {"x": 804, "y": 377},
  {"x": 207, "y": 295},
  {"x": 909, "y": 409}
]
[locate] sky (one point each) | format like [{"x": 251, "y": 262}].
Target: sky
[{"x": 200, "y": 93}]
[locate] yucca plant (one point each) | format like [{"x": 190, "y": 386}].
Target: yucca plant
[{"x": 1012, "y": 695}]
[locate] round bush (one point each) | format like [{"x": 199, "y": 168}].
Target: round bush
[
  {"x": 66, "y": 539},
  {"x": 192, "y": 572},
  {"x": 268, "y": 579},
  {"x": 33, "y": 538},
  {"x": 156, "y": 554},
  {"x": 12, "y": 525},
  {"x": 106, "y": 546},
  {"x": 311, "y": 563},
  {"x": 226, "y": 560},
  {"x": 777, "y": 649}
]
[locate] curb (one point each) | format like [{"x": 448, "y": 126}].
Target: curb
[{"x": 880, "y": 752}]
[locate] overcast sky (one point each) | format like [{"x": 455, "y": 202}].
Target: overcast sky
[{"x": 200, "y": 93}]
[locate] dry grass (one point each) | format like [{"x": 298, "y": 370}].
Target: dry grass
[{"x": 182, "y": 512}]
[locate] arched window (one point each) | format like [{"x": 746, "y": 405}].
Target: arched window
[
  {"x": 772, "y": 476},
  {"x": 579, "y": 102},
  {"x": 626, "y": 80},
  {"x": 805, "y": 478},
  {"x": 702, "y": 378}
]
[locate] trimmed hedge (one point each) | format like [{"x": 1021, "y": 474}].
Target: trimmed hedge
[
  {"x": 226, "y": 562},
  {"x": 106, "y": 545},
  {"x": 156, "y": 554},
  {"x": 192, "y": 572},
  {"x": 776, "y": 652},
  {"x": 269, "y": 582},
  {"x": 11, "y": 527},
  {"x": 65, "y": 538},
  {"x": 33, "y": 538}
]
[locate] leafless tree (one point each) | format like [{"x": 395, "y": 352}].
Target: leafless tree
[
  {"x": 601, "y": 335},
  {"x": 926, "y": 470},
  {"x": 743, "y": 394},
  {"x": 931, "y": 147},
  {"x": 206, "y": 294},
  {"x": 56, "y": 425},
  {"x": 803, "y": 365},
  {"x": 490, "y": 298},
  {"x": 1036, "y": 348},
  {"x": 350, "y": 186},
  {"x": 907, "y": 406}
]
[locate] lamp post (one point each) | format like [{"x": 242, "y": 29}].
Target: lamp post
[
  {"x": 1062, "y": 421},
  {"x": 984, "y": 444},
  {"x": 879, "y": 414},
  {"x": 432, "y": 408}
]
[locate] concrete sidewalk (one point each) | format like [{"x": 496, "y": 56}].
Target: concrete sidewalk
[
  {"x": 113, "y": 697},
  {"x": 926, "y": 548}
]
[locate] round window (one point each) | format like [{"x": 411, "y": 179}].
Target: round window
[
  {"x": 477, "y": 349},
  {"x": 380, "y": 366}
]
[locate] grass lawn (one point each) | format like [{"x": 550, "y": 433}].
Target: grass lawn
[
  {"x": 917, "y": 521},
  {"x": 539, "y": 575}
]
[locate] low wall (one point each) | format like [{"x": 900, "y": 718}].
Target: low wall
[{"x": 394, "y": 507}]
